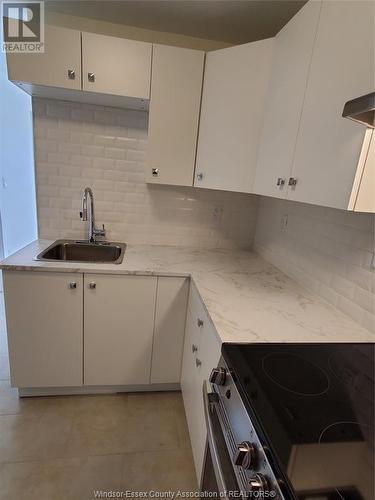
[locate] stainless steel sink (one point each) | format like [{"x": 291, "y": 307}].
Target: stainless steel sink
[{"x": 83, "y": 251}]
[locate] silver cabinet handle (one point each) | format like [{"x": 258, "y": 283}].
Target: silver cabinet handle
[
  {"x": 200, "y": 322},
  {"x": 280, "y": 181},
  {"x": 91, "y": 77},
  {"x": 92, "y": 285},
  {"x": 292, "y": 181},
  {"x": 198, "y": 363},
  {"x": 200, "y": 176},
  {"x": 71, "y": 74},
  {"x": 155, "y": 172},
  {"x": 194, "y": 348},
  {"x": 72, "y": 285}
]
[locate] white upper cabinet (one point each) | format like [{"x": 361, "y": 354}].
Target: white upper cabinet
[
  {"x": 290, "y": 67},
  {"x": 342, "y": 68},
  {"x": 176, "y": 88},
  {"x": 116, "y": 66},
  {"x": 234, "y": 93},
  {"x": 58, "y": 66},
  {"x": 86, "y": 67}
]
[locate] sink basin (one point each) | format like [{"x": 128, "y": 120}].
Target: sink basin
[{"x": 83, "y": 251}]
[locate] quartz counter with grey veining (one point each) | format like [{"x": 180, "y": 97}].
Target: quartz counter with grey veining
[{"x": 247, "y": 299}]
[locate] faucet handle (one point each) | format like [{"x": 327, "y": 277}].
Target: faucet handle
[{"x": 100, "y": 232}]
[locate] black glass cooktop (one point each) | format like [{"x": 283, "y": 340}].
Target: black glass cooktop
[{"x": 313, "y": 405}]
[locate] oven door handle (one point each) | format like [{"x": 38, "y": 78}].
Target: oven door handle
[{"x": 212, "y": 445}]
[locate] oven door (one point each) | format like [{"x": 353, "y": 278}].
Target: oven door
[{"x": 218, "y": 474}]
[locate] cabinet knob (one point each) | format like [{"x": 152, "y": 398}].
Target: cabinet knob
[
  {"x": 200, "y": 176},
  {"x": 280, "y": 182},
  {"x": 292, "y": 181},
  {"x": 92, "y": 285},
  {"x": 71, "y": 74},
  {"x": 72, "y": 285},
  {"x": 194, "y": 348},
  {"x": 198, "y": 363},
  {"x": 200, "y": 322},
  {"x": 91, "y": 77},
  {"x": 155, "y": 172}
]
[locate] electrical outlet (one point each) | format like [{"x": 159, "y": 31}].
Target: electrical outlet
[{"x": 284, "y": 223}]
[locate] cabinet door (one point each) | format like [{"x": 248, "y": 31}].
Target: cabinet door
[
  {"x": 342, "y": 68},
  {"x": 119, "y": 66},
  {"x": 170, "y": 316},
  {"x": 234, "y": 92},
  {"x": 44, "y": 312},
  {"x": 201, "y": 354},
  {"x": 192, "y": 397},
  {"x": 292, "y": 57},
  {"x": 176, "y": 87},
  {"x": 118, "y": 329},
  {"x": 363, "y": 195},
  {"x": 53, "y": 68}
]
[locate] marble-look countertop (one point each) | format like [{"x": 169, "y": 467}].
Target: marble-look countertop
[{"x": 247, "y": 298}]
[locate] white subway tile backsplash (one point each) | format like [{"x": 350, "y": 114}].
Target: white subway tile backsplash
[
  {"x": 329, "y": 251},
  {"x": 78, "y": 145}
]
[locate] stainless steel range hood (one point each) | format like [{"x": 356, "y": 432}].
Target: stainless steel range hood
[{"x": 361, "y": 110}]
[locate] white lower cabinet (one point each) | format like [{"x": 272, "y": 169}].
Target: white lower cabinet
[
  {"x": 201, "y": 354},
  {"x": 70, "y": 330},
  {"x": 44, "y": 322},
  {"x": 170, "y": 314},
  {"x": 118, "y": 329}
]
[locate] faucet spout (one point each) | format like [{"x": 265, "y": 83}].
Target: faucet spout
[{"x": 89, "y": 214}]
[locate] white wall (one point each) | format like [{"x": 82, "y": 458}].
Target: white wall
[
  {"x": 329, "y": 251},
  {"x": 78, "y": 145},
  {"x": 17, "y": 180}
]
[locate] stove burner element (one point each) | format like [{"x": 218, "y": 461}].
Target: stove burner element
[
  {"x": 342, "y": 432},
  {"x": 295, "y": 374}
]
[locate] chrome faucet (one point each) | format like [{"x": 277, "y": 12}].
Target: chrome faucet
[{"x": 93, "y": 232}]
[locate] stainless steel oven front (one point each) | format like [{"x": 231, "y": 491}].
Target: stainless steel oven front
[{"x": 235, "y": 463}]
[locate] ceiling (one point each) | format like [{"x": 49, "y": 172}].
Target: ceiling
[{"x": 231, "y": 21}]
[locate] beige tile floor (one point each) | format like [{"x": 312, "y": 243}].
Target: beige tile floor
[{"x": 60, "y": 448}]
